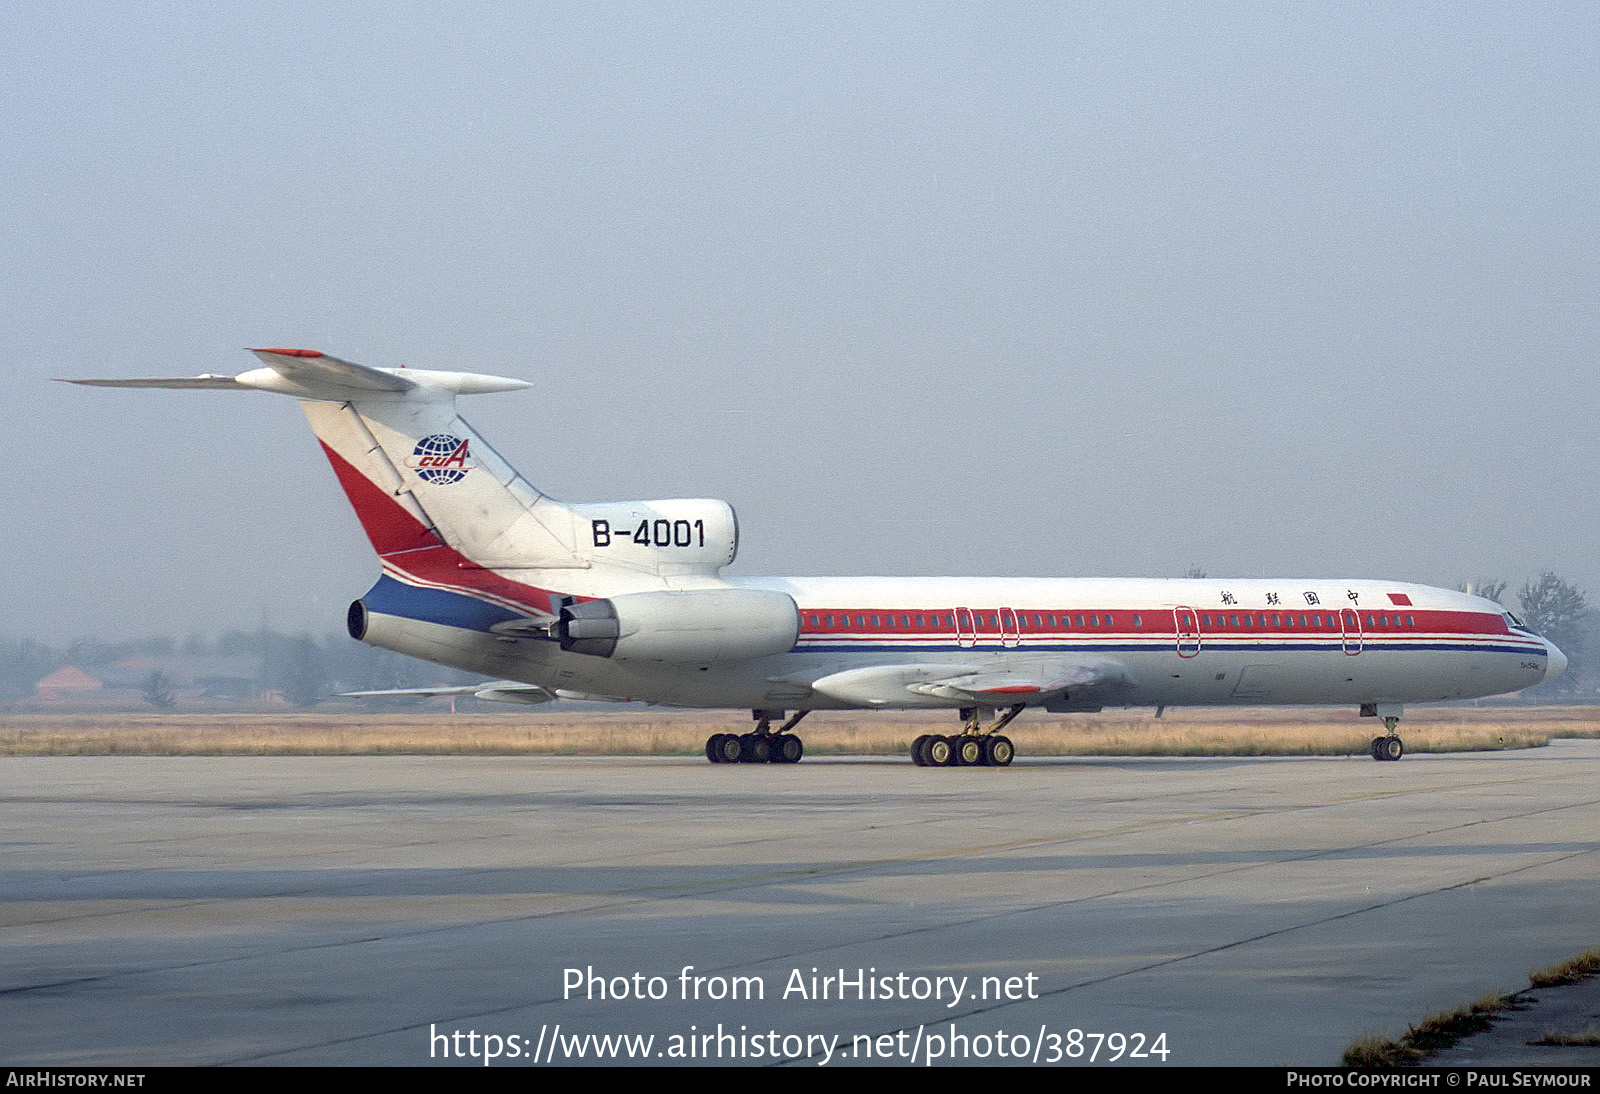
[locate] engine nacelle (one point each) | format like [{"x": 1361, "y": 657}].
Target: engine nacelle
[{"x": 697, "y": 625}]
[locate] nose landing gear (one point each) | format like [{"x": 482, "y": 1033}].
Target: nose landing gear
[{"x": 1388, "y": 747}]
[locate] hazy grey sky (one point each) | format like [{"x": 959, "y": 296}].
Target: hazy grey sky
[{"x": 1065, "y": 289}]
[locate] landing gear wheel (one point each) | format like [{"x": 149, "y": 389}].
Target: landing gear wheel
[
  {"x": 969, "y": 751},
  {"x": 754, "y": 749},
  {"x": 712, "y": 752},
  {"x": 919, "y": 750},
  {"x": 1392, "y": 749},
  {"x": 728, "y": 748},
  {"x": 787, "y": 749},
  {"x": 940, "y": 751},
  {"x": 998, "y": 751},
  {"x": 1376, "y": 748}
]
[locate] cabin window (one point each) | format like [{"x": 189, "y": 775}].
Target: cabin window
[
  {"x": 1410, "y": 622},
  {"x": 1080, "y": 620},
  {"x": 1138, "y": 622}
]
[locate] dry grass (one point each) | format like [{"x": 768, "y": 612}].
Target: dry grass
[
  {"x": 1429, "y": 1036},
  {"x": 1443, "y": 1030},
  {"x": 1234, "y": 732},
  {"x": 1585, "y": 965}
]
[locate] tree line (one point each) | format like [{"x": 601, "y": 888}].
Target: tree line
[{"x": 303, "y": 669}]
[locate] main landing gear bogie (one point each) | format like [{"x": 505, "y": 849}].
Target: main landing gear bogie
[
  {"x": 974, "y": 746},
  {"x": 763, "y": 746},
  {"x": 933, "y": 750}
]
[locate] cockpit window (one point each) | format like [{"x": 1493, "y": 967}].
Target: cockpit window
[{"x": 1515, "y": 622}]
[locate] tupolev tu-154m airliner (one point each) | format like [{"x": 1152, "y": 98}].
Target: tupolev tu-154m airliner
[{"x": 628, "y": 600}]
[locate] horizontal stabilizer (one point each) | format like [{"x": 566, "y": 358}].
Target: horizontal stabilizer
[
  {"x": 307, "y": 374},
  {"x": 205, "y": 380},
  {"x": 310, "y": 369}
]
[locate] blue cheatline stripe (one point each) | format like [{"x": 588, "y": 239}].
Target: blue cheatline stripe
[{"x": 391, "y": 597}]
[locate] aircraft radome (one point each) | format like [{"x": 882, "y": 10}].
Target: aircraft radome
[{"x": 627, "y": 600}]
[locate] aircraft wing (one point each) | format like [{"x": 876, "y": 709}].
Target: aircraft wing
[
  {"x": 1032, "y": 681},
  {"x": 532, "y": 626},
  {"x": 1005, "y": 688},
  {"x": 498, "y": 691}
]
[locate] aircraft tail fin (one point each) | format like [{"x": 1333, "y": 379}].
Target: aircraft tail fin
[{"x": 418, "y": 476}]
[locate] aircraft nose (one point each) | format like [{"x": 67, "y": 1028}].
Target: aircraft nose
[{"x": 1556, "y": 663}]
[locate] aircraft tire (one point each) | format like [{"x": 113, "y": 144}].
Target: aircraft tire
[
  {"x": 1393, "y": 749},
  {"x": 1375, "y": 749},
  {"x": 919, "y": 750},
  {"x": 754, "y": 749},
  {"x": 940, "y": 751},
  {"x": 998, "y": 751},
  {"x": 729, "y": 748},
  {"x": 969, "y": 751},
  {"x": 712, "y": 753},
  {"x": 787, "y": 749}
]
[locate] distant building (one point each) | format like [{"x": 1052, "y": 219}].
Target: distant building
[{"x": 68, "y": 686}]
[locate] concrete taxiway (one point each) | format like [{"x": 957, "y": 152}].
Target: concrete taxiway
[{"x": 307, "y": 910}]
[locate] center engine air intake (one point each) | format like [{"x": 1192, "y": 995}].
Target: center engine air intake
[{"x": 696, "y": 626}]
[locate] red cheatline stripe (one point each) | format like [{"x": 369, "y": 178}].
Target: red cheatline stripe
[{"x": 396, "y": 532}]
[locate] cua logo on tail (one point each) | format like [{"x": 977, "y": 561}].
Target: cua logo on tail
[{"x": 441, "y": 459}]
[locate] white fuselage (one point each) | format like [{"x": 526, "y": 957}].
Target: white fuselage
[{"x": 1169, "y": 643}]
